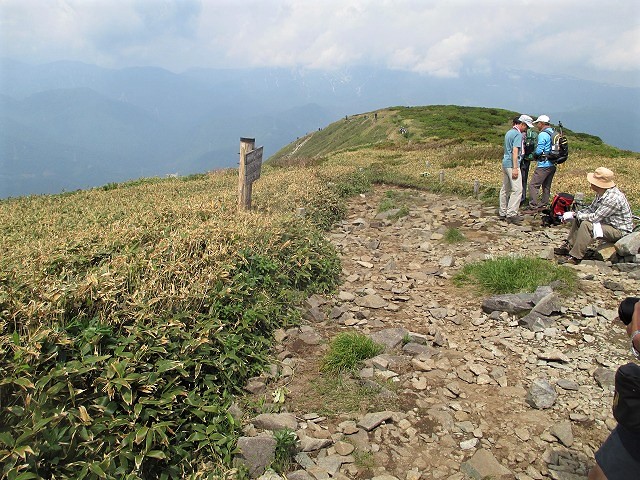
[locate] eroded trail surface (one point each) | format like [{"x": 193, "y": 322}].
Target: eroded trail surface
[{"x": 458, "y": 393}]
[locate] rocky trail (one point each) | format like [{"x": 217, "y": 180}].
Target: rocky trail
[{"x": 460, "y": 391}]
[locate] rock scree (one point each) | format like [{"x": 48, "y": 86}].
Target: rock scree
[{"x": 468, "y": 386}]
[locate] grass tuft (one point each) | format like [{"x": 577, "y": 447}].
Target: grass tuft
[
  {"x": 348, "y": 350},
  {"x": 514, "y": 275},
  {"x": 453, "y": 235}
]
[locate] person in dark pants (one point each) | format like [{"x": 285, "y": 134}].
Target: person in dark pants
[
  {"x": 530, "y": 143},
  {"x": 545, "y": 168},
  {"x": 619, "y": 456}
]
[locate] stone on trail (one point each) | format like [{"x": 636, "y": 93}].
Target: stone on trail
[
  {"x": 605, "y": 377},
  {"x": 373, "y": 420},
  {"x": 256, "y": 453},
  {"x": 536, "y": 322},
  {"x": 541, "y": 395},
  {"x": 628, "y": 245},
  {"x": 484, "y": 465},
  {"x": 275, "y": 421},
  {"x": 390, "y": 337},
  {"x": 371, "y": 301},
  {"x": 509, "y": 302},
  {"x": 563, "y": 432},
  {"x": 548, "y": 305}
]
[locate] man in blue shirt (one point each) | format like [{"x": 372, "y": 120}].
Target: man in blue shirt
[
  {"x": 511, "y": 190},
  {"x": 545, "y": 168}
]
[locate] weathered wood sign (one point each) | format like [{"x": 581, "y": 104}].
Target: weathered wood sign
[
  {"x": 249, "y": 171},
  {"x": 253, "y": 165}
]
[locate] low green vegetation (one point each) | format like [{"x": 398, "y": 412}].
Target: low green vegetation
[
  {"x": 286, "y": 448},
  {"x": 453, "y": 235},
  {"x": 394, "y": 200},
  {"x": 132, "y": 316},
  {"x": 514, "y": 275},
  {"x": 348, "y": 350},
  {"x": 354, "y": 396}
]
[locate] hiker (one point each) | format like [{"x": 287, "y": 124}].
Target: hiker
[
  {"x": 545, "y": 168},
  {"x": 619, "y": 456},
  {"x": 608, "y": 217},
  {"x": 511, "y": 190},
  {"x": 530, "y": 144}
]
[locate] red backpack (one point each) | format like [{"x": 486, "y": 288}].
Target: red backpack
[{"x": 561, "y": 203}]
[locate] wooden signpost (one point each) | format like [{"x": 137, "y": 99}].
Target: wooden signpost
[{"x": 249, "y": 171}]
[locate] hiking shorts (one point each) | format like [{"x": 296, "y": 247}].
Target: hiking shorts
[{"x": 615, "y": 460}]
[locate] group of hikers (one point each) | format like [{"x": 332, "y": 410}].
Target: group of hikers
[{"x": 608, "y": 217}]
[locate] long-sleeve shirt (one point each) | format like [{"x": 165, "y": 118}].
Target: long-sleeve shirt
[
  {"x": 610, "y": 208},
  {"x": 544, "y": 147}
]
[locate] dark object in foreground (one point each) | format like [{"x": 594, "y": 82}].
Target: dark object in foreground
[{"x": 625, "y": 310}]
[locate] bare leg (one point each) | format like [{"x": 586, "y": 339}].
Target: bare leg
[{"x": 596, "y": 473}]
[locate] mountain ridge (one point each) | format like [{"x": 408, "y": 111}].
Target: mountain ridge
[{"x": 191, "y": 122}]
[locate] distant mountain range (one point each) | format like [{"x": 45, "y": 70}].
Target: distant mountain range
[{"x": 68, "y": 125}]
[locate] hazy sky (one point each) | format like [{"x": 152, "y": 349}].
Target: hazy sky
[{"x": 592, "y": 39}]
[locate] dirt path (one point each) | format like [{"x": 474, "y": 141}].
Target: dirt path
[{"x": 452, "y": 384}]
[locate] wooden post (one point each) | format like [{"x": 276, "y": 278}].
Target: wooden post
[
  {"x": 476, "y": 188},
  {"x": 244, "y": 186},
  {"x": 441, "y": 176}
]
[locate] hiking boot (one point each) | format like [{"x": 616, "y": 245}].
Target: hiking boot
[
  {"x": 515, "y": 220},
  {"x": 569, "y": 260},
  {"x": 530, "y": 211},
  {"x": 562, "y": 249}
]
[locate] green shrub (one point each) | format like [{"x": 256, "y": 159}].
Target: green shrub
[
  {"x": 347, "y": 350},
  {"x": 286, "y": 447},
  {"x": 513, "y": 275},
  {"x": 353, "y": 184}
]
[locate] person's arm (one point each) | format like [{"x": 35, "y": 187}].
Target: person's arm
[
  {"x": 544, "y": 143},
  {"x": 600, "y": 210},
  {"x": 633, "y": 330},
  {"x": 514, "y": 160}
]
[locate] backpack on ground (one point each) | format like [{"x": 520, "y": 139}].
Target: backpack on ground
[
  {"x": 559, "y": 146},
  {"x": 561, "y": 203}
]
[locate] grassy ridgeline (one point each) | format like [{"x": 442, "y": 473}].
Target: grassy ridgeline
[
  {"x": 131, "y": 315},
  {"x": 465, "y": 143}
]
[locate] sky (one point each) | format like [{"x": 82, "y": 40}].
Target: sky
[{"x": 590, "y": 39}]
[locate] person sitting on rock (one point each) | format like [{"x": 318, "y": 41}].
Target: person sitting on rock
[{"x": 608, "y": 217}]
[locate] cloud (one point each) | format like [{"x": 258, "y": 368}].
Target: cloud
[{"x": 436, "y": 38}]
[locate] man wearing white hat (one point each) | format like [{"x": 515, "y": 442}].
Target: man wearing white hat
[
  {"x": 545, "y": 168},
  {"x": 511, "y": 190},
  {"x": 608, "y": 217}
]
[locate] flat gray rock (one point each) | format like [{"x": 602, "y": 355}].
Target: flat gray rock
[
  {"x": 256, "y": 453},
  {"x": 371, "y": 301},
  {"x": 390, "y": 337},
  {"x": 373, "y": 420},
  {"x": 275, "y": 421},
  {"x": 484, "y": 465},
  {"x": 563, "y": 432},
  {"x": 509, "y": 302}
]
